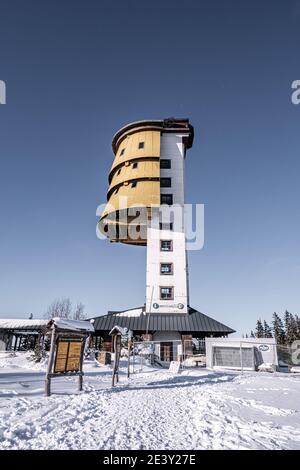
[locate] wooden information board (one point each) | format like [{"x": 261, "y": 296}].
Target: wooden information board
[
  {"x": 66, "y": 352},
  {"x": 68, "y": 355}
]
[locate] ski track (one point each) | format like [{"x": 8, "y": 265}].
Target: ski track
[{"x": 152, "y": 411}]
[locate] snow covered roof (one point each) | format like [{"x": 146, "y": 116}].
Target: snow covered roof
[
  {"x": 65, "y": 324},
  {"x": 135, "y": 312},
  {"x": 118, "y": 329},
  {"x": 38, "y": 325},
  {"x": 22, "y": 324}
]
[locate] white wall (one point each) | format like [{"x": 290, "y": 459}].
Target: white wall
[{"x": 172, "y": 148}]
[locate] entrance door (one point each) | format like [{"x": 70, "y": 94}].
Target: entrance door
[{"x": 166, "y": 351}]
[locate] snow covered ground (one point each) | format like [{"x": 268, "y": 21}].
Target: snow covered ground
[{"x": 196, "y": 409}]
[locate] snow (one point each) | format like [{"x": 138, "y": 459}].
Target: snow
[
  {"x": 13, "y": 323},
  {"x": 65, "y": 324},
  {"x": 267, "y": 367},
  {"x": 136, "y": 312},
  {"x": 118, "y": 329},
  {"x": 61, "y": 323},
  {"x": 195, "y": 409}
]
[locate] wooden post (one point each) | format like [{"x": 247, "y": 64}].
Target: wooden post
[
  {"x": 50, "y": 363},
  {"x": 118, "y": 355},
  {"x": 80, "y": 382},
  {"x": 129, "y": 349},
  {"x": 115, "y": 351},
  {"x": 80, "y": 377}
]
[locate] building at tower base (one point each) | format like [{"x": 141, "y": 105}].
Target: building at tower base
[{"x": 168, "y": 331}]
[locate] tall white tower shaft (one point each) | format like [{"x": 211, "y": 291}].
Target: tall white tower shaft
[{"x": 167, "y": 271}]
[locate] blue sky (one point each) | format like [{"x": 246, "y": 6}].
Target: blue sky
[{"x": 76, "y": 71}]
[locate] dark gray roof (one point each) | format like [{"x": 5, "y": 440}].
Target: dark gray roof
[{"x": 193, "y": 321}]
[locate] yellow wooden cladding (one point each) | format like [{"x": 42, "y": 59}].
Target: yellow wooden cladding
[
  {"x": 144, "y": 169},
  {"x": 145, "y": 192},
  {"x": 130, "y": 145}
]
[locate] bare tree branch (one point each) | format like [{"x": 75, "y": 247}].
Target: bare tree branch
[{"x": 79, "y": 312}]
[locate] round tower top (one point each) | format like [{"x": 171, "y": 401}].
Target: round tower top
[{"x": 171, "y": 124}]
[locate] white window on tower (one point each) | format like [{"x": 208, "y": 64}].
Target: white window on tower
[
  {"x": 165, "y": 182},
  {"x": 166, "y": 199},
  {"x": 166, "y": 293},
  {"x": 165, "y": 163},
  {"x": 166, "y": 245},
  {"x": 165, "y": 226},
  {"x": 166, "y": 268}
]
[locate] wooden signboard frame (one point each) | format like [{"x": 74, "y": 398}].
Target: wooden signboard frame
[
  {"x": 117, "y": 351},
  {"x": 66, "y": 357},
  {"x": 117, "y": 333}
]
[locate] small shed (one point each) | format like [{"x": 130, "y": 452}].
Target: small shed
[
  {"x": 19, "y": 334},
  {"x": 240, "y": 353}
]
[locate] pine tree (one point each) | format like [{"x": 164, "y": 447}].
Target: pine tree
[
  {"x": 290, "y": 327},
  {"x": 267, "y": 330},
  {"x": 252, "y": 335},
  {"x": 259, "y": 330},
  {"x": 297, "y": 319},
  {"x": 278, "y": 329}
]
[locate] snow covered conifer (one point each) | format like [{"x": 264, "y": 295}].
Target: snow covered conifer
[
  {"x": 291, "y": 327},
  {"x": 297, "y": 319},
  {"x": 278, "y": 329},
  {"x": 259, "y": 330},
  {"x": 267, "y": 330}
]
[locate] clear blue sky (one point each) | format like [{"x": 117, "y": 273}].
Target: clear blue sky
[{"x": 76, "y": 71}]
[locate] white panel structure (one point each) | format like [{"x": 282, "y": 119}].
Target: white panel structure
[{"x": 235, "y": 352}]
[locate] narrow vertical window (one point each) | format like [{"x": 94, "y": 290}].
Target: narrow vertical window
[{"x": 166, "y": 199}]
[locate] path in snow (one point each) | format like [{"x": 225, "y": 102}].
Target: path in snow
[{"x": 194, "y": 410}]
